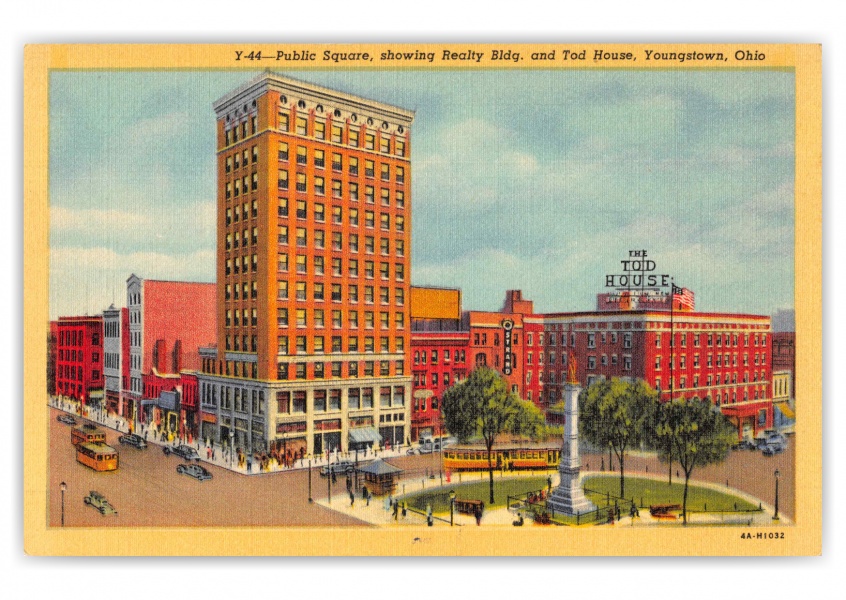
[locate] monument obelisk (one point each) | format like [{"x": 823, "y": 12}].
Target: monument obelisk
[{"x": 569, "y": 497}]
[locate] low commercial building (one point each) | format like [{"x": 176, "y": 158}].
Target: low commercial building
[{"x": 79, "y": 359}]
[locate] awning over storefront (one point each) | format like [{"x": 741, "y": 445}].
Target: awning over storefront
[
  {"x": 785, "y": 409},
  {"x": 169, "y": 400},
  {"x": 365, "y": 435}
]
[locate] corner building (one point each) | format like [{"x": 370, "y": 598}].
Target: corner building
[{"x": 313, "y": 269}]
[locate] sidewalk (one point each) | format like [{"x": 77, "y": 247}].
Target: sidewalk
[{"x": 221, "y": 455}]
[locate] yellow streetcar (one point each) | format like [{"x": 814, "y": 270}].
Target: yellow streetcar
[
  {"x": 99, "y": 457},
  {"x": 503, "y": 456}
]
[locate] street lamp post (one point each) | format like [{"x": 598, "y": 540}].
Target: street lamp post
[
  {"x": 310, "y": 499},
  {"x": 356, "y": 467},
  {"x": 329, "y": 480},
  {"x": 231, "y": 446},
  {"x": 775, "y": 515},
  {"x": 451, "y": 508},
  {"x": 63, "y": 486}
]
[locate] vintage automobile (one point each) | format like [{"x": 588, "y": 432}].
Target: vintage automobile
[
  {"x": 133, "y": 439},
  {"x": 772, "y": 449},
  {"x": 342, "y": 466},
  {"x": 194, "y": 470},
  {"x": 66, "y": 419},
  {"x": 98, "y": 501},
  {"x": 186, "y": 452}
]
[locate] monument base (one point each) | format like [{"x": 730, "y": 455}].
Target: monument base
[{"x": 569, "y": 498}]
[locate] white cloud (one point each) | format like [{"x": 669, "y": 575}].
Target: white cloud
[
  {"x": 91, "y": 220},
  {"x": 157, "y": 131},
  {"x": 87, "y": 280}
]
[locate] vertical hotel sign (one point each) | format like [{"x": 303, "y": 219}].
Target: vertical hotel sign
[{"x": 507, "y": 364}]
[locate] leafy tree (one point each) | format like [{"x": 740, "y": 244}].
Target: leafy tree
[
  {"x": 618, "y": 414},
  {"x": 482, "y": 406},
  {"x": 696, "y": 432}
]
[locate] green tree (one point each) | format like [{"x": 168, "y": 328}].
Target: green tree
[
  {"x": 482, "y": 406},
  {"x": 618, "y": 414},
  {"x": 697, "y": 434}
]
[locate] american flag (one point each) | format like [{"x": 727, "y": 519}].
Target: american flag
[{"x": 683, "y": 296}]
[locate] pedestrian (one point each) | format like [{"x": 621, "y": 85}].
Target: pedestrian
[
  {"x": 364, "y": 492},
  {"x": 477, "y": 512},
  {"x": 334, "y": 478},
  {"x": 404, "y": 509},
  {"x": 369, "y": 496},
  {"x": 549, "y": 483},
  {"x": 396, "y": 510},
  {"x": 208, "y": 453},
  {"x": 352, "y": 498}
]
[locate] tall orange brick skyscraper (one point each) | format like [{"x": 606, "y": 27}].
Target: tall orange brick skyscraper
[{"x": 313, "y": 271}]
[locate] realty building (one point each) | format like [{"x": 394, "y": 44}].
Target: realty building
[{"x": 313, "y": 269}]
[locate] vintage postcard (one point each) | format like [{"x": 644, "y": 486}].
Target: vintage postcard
[{"x": 423, "y": 299}]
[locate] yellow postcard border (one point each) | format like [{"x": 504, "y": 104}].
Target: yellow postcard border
[{"x": 803, "y": 538}]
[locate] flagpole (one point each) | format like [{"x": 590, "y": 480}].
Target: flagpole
[{"x": 672, "y": 337}]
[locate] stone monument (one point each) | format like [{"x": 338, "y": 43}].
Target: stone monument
[{"x": 568, "y": 497}]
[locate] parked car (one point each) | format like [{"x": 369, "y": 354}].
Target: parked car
[
  {"x": 66, "y": 419},
  {"x": 194, "y": 470},
  {"x": 342, "y": 466},
  {"x": 777, "y": 439},
  {"x": 772, "y": 449},
  {"x": 186, "y": 452},
  {"x": 133, "y": 439},
  {"x": 411, "y": 452},
  {"x": 745, "y": 445},
  {"x": 98, "y": 501}
]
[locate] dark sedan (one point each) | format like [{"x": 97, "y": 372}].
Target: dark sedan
[
  {"x": 186, "y": 452},
  {"x": 196, "y": 471},
  {"x": 133, "y": 439},
  {"x": 66, "y": 419}
]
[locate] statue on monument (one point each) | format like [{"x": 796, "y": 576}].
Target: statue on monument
[{"x": 572, "y": 365}]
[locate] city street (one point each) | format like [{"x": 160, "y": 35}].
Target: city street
[{"x": 146, "y": 490}]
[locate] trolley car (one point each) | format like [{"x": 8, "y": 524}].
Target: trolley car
[
  {"x": 503, "y": 456},
  {"x": 87, "y": 434},
  {"x": 99, "y": 457}
]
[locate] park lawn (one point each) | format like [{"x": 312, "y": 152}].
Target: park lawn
[
  {"x": 646, "y": 492},
  {"x": 478, "y": 490}
]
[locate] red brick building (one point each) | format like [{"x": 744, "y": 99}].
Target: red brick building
[
  {"x": 725, "y": 357},
  {"x": 439, "y": 360},
  {"x": 168, "y": 323},
  {"x": 79, "y": 359}
]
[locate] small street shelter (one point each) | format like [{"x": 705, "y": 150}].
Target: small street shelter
[{"x": 380, "y": 477}]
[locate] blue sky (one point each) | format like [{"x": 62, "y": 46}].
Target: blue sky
[{"x": 538, "y": 180}]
